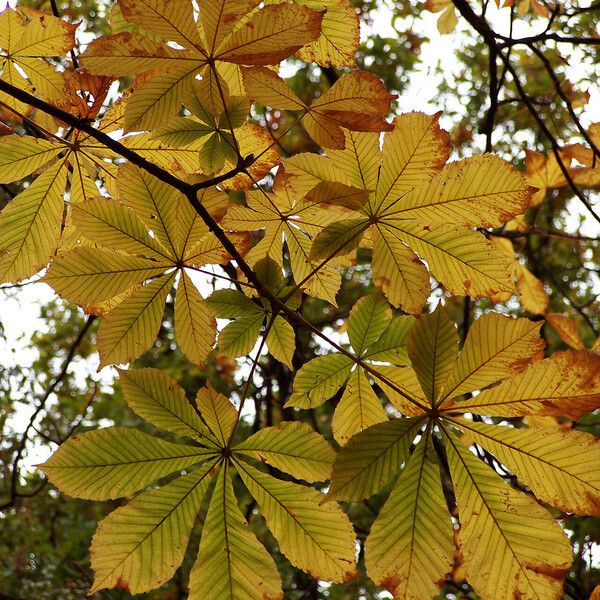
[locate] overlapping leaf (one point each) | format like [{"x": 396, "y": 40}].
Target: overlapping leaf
[
  {"x": 509, "y": 545},
  {"x": 374, "y": 336},
  {"x": 228, "y": 34},
  {"x": 141, "y": 244},
  {"x": 418, "y": 205},
  {"x": 128, "y": 549}
]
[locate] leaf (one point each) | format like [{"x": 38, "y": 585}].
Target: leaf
[
  {"x": 265, "y": 86},
  {"x": 155, "y": 99},
  {"x": 401, "y": 385},
  {"x": 114, "y": 462},
  {"x": 30, "y": 225},
  {"x": 89, "y": 276},
  {"x": 293, "y": 448},
  {"x": 398, "y": 272},
  {"x": 271, "y": 34},
  {"x": 21, "y": 155},
  {"x": 555, "y": 464},
  {"x": 567, "y": 385},
  {"x": 231, "y": 564},
  {"x": 463, "y": 260},
  {"x": 157, "y": 398},
  {"x": 566, "y": 329},
  {"x": 391, "y": 346},
  {"x": 131, "y": 328},
  {"x": 432, "y": 347},
  {"x": 339, "y": 39},
  {"x": 495, "y": 347},
  {"x": 319, "y": 379},
  {"x": 317, "y": 539},
  {"x": 218, "y": 412},
  {"x": 371, "y": 458},
  {"x": 230, "y": 304},
  {"x": 338, "y": 238},
  {"x": 368, "y": 319},
  {"x": 115, "y": 226},
  {"x": 139, "y": 546},
  {"x": 281, "y": 341},
  {"x": 483, "y": 190},
  {"x": 507, "y": 564},
  {"x": 410, "y": 547},
  {"x": 413, "y": 153},
  {"x": 358, "y": 409},
  {"x": 173, "y": 20},
  {"x": 238, "y": 338},
  {"x": 195, "y": 327}
]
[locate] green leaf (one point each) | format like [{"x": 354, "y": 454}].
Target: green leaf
[
  {"x": 281, "y": 341},
  {"x": 319, "y": 379},
  {"x": 293, "y": 448},
  {"x": 432, "y": 347},
  {"x": 157, "y": 397},
  {"x": 238, "y": 338},
  {"x": 368, "y": 319},
  {"x": 358, "y": 409},
  {"x": 114, "y": 462},
  {"x": 371, "y": 458},
  {"x": 232, "y": 564},
  {"x": 139, "y": 546},
  {"x": 230, "y": 304},
  {"x": 317, "y": 539},
  {"x": 391, "y": 346}
]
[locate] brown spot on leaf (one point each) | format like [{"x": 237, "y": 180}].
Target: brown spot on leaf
[
  {"x": 122, "y": 584},
  {"x": 391, "y": 583}
]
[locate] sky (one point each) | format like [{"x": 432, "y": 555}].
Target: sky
[{"x": 19, "y": 312}]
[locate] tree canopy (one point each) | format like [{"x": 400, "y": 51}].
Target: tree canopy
[{"x": 325, "y": 320}]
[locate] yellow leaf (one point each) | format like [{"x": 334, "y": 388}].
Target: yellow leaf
[
  {"x": 432, "y": 347},
  {"x": 218, "y": 413},
  {"x": 410, "y": 546},
  {"x": 265, "y": 86},
  {"x": 131, "y": 328},
  {"x": 496, "y": 346},
  {"x": 195, "y": 327},
  {"x": 339, "y": 39},
  {"x": 30, "y": 225},
  {"x": 172, "y": 20},
  {"x": 271, "y": 34},
  {"x": 318, "y": 539},
  {"x": 281, "y": 341},
  {"x": 158, "y": 525},
  {"x": 507, "y": 564},
  {"x": 565, "y": 385},
  {"x": 554, "y": 464},
  {"x": 232, "y": 564},
  {"x": 21, "y": 155}
]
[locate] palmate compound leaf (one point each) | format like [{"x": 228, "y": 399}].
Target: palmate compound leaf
[
  {"x": 357, "y": 101},
  {"x": 287, "y": 218},
  {"x": 418, "y": 205},
  {"x": 139, "y": 546},
  {"x": 509, "y": 545},
  {"x": 374, "y": 336},
  {"x": 227, "y": 34},
  {"x": 143, "y": 245}
]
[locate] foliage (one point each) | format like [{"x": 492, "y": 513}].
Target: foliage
[{"x": 212, "y": 187}]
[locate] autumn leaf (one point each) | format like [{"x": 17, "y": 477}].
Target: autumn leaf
[
  {"x": 411, "y": 546},
  {"x": 419, "y": 209},
  {"x": 126, "y": 548}
]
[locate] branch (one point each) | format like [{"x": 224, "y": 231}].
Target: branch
[{"x": 14, "y": 480}]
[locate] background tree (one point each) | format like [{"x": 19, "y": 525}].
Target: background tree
[{"x": 515, "y": 86}]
